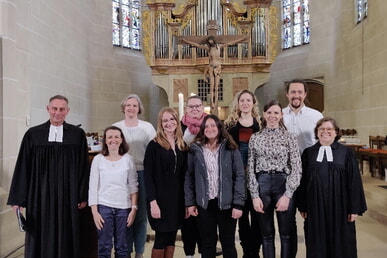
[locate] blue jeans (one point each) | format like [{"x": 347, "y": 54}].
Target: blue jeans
[
  {"x": 137, "y": 232},
  {"x": 244, "y": 150},
  {"x": 114, "y": 230}
]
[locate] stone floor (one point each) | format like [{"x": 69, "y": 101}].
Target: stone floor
[{"x": 371, "y": 228}]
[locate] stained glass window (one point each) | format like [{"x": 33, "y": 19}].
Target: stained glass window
[
  {"x": 295, "y": 17},
  {"x": 361, "y": 10},
  {"x": 126, "y": 22}
]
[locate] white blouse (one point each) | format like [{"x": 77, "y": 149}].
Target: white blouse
[
  {"x": 112, "y": 182},
  {"x": 211, "y": 160}
]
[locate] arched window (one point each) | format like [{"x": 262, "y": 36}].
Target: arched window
[
  {"x": 361, "y": 10},
  {"x": 126, "y": 22},
  {"x": 295, "y": 28}
]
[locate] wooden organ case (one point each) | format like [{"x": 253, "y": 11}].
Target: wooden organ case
[{"x": 178, "y": 67}]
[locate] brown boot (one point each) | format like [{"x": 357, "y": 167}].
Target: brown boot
[
  {"x": 157, "y": 253},
  {"x": 169, "y": 251}
]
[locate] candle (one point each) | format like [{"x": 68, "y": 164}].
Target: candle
[{"x": 181, "y": 105}]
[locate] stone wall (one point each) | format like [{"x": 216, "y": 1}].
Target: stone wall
[
  {"x": 60, "y": 47},
  {"x": 349, "y": 58}
]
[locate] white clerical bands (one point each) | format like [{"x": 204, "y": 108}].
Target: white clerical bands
[
  {"x": 327, "y": 150},
  {"x": 55, "y": 134}
]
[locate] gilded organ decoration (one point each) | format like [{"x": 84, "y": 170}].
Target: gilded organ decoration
[{"x": 176, "y": 32}]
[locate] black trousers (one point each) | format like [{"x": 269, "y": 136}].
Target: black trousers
[
  {"x": 271, "y": 189},
  {"x": 190, "y": 235},
  {"x": 249, "y": 230},
  {"x": 211, "y": 220}
]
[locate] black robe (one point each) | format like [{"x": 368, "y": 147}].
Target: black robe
[
  {"x": 50, "y": 179},
  {"x": 328, "y": 193},
  {"x": 164, "y": 182}
]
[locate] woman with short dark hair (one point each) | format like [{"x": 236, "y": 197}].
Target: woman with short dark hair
[{"x": 331, "y": 195}]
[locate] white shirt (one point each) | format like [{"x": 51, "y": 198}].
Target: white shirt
[
  {"x": 112, "y": 182},
  {"x": 211, "y": 160},
  {"x": 302, "y": 125},
  {"x": 137, "y": 138}
]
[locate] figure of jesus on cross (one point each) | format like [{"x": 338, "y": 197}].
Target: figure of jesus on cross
[{"x": 213, "y": 44}]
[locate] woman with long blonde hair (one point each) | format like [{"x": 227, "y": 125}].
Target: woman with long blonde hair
[
  {"x": 239, "y": 113},
  {"x": 241, "y": 124},
  {"x": 164, "y": 170}
]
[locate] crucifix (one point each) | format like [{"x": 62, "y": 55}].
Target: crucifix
[{"x": 213, "y": 44}]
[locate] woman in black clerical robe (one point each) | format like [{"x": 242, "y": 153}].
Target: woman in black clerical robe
[{"x": 330, "y": 195}]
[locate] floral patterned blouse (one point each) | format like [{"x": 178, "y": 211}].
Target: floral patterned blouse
[{"x": 274, "y": 150}]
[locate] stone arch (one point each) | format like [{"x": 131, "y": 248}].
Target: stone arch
[
  {"x": 158, "y": 98},
  {"x": 315, "y": 97}
]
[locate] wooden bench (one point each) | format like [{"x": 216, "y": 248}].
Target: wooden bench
[
  {"x": 377, "y": 158},
  {"x": 375, "y": 155}
]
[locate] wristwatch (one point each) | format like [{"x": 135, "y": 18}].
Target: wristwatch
[{"x": 135, "y": 207}]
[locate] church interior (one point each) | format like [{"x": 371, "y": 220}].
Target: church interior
[{"x": 96, "y": 52}]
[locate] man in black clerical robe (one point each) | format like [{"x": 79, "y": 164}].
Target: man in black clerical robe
[{"x": 51, "y": 181}]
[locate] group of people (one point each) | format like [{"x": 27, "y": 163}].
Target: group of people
[{"x": 200, "y": 175}]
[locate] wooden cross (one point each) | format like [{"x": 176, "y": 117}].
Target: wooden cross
[{"x": 213, "y": 44}]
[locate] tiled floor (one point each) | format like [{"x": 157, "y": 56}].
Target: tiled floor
[{"x": 371, "y": 234}]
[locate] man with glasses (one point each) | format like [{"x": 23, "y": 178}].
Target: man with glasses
[{"x": 301, "y": 121}]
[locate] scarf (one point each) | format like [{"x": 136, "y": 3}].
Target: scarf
[{"x": 193, "y": 124}]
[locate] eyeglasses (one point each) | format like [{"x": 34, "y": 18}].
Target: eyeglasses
[
  {"x": 194, "y": 106},
  {"x": 325, "y": 129},
  {"x": 167, "y": 120}
]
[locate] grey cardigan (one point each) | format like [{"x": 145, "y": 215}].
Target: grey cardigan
[{"x": 232, "y": 187}]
